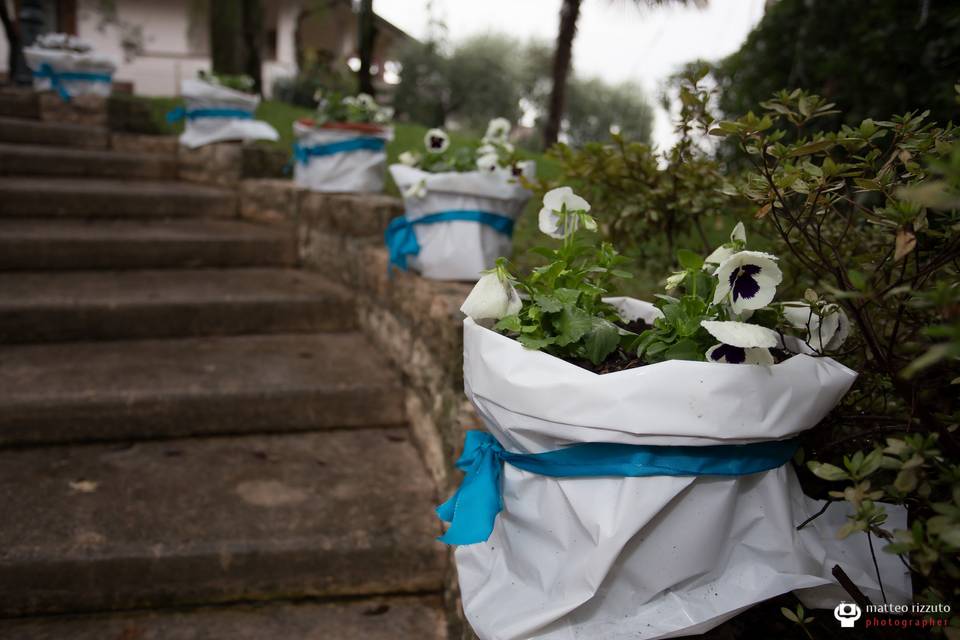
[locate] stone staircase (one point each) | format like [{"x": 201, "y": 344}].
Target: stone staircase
[{"x": 195, "y": 441}]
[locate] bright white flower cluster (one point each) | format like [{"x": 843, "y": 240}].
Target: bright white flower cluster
[
  {"x": 61, "y": 41},
  {"x": 365, "y": 102}
]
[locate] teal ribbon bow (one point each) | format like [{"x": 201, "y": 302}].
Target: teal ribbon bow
[
  {"x": 179, "y": 113},
  {"x": 57, "y": 78},
  {"x": 472, "y": 510},
  {"x": 401, "y": 239},
  {"x": 302, "y": 154}
]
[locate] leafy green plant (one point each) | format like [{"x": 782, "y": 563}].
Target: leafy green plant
[
  {"x": 653, "y": 202},
  {"x": 333, "y": 106},
  {"x": 872, "y": 211},
  {"x": 240, "y": 82}
]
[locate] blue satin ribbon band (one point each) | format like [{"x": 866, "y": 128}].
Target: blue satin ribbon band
[
  {"x": 401, "y": 239},
  {"x": 473, "y": 509},
  {"x": 303, "y": 153},
  {"x": 179, "y": 113},
  {"x": 57, "y": 78}
]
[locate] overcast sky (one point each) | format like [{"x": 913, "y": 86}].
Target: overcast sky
[{"x": 616, "y": 39}]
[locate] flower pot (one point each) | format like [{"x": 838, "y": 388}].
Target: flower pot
[
  {"x": 340, "y": 157},
  {"x": 70, "y": 73},
  {"x": 611, "y": 556},
  {"x": 213, "y": 113},
  {"x": 456, "y": 224}
]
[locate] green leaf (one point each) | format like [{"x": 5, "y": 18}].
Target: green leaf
[
  {"x": 689, "y": 260},
  {"x": 567, "y": 297},
  {"x": 829, "y": 472},
  {"x": 508, "y": 323},
  {"x": 535, "y": 343},
  {"x": 685, "y": 349},
  {"x": 574, "y": 324},
  {"x": 602, "y": 340},
  {"x": 810, "y": 148},
  {"x": 789, "y": 615},
  {"x": 548, "y": 303}
]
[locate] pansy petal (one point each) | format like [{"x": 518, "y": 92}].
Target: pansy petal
[
  {"x": 759, "y": 356},
  {"x": 739, "y": 233},
  {"x": 741, "y": 334},
  {"x": 550, "y": 223},
  {"x": 491, "y": 298},
  {"x": 555, "y": 198}
]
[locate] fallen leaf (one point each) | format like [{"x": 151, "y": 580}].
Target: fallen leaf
[{"x": 905, "y": 243}]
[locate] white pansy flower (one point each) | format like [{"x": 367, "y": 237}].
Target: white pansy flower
[
  {"x": 492, "y": 298},
  {"x": 825, "y": 332},
  {"x": 750, "y": 278},
  {"x": 555, "y": 201},
  {"x": 498, "y": 129},
  {"x": 416, "y": 190},
  {"x": 383, "y": 115},
  {"x": 724, "y": 251},
  {"x": 366, "y": 101},
  {"x": 739, "y": 233},
  {"x": 526, "y": 168},
  {"x": 728, "y": 354},
  {"x": 409, "y": 159},
  {"x": 488, "y": 163},
  {"x": 486, "y": 149},
  {"x": 740, "y": 342},
  {"x": 436, "y": 141},
  {"x": 675, "y": 280},
  {"x": 350, "y": 101}
]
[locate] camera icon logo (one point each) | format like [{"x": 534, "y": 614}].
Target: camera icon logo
[{"x": 847, "y": 613}]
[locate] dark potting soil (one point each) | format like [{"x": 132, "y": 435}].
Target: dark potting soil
[{"x": 619, "y": 360}]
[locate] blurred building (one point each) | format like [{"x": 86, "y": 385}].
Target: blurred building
[{"x": 157, "y": 43}]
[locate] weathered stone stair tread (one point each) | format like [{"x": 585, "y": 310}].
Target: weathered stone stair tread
[
  {"x": 203, "y": 521},
  {"x": 382, "y": 618},
  {"x": 192, "y": 386},
  {"x": 111, "y": 198},
  {"x": 24, "y": 131},
  {"x": 16, "y": 159},
  {"x": 105, "y": 305},
  {"x": 130, "y": 244}
]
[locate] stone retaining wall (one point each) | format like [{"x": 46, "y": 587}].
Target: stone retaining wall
[{"x": 415, "y": 322}]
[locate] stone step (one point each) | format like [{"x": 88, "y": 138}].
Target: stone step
[
  {"x": 120, "y": 390},
  {"x": 381, "y": 618},
  {"x": 50, "y": 306},
  {"x": 205, "y": 521},
  {"x": 33, "y": 244},
  {"x": 104, "y": 198},
  {"x": 24, "y": 131},
  {"x": 25, "y": 160}
]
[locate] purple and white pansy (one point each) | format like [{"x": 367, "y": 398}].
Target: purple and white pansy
[
  {"x": 740, "y": 342},
  {"x": 436, "y": 141},
  {"x": 748, "y": 279}
]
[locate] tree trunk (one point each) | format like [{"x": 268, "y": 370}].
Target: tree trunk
[
  {"x": 15, "y": 59},
  {"x": 227, "y": 54},
  {"x": 366, "y": 34},
  {"x": 252, "y": 40},
  {"x": 569, "y": 12}
]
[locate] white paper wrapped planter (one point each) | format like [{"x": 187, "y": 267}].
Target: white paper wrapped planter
[
  {"x": 213, "y": 113},
  {"x": 613, "y": 557},
  {"x": 70, "y": 73},
  {"x": 460, "y": 226},
  {"x": 340, "y": 157}
]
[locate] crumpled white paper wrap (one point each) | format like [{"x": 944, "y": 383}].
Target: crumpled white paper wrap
[
  {"x": 198, "y": 132},
  {"x": 357, "y": 171},
  {"x": 614, "y": 558},
  {"x": 459, "y": 250},
  {"x": 61, "y": 60}
]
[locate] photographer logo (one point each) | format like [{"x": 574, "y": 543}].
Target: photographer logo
[{"x": 847, "y": 613}]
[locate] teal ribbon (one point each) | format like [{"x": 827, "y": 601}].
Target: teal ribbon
[
  {"x": 179, "y": 113},
  {"x": 302, "y": 154},
  {"x": 473, "y": 509},
  {"x": 57, "y": 78},
  {"x": 401, "y": 239}
]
